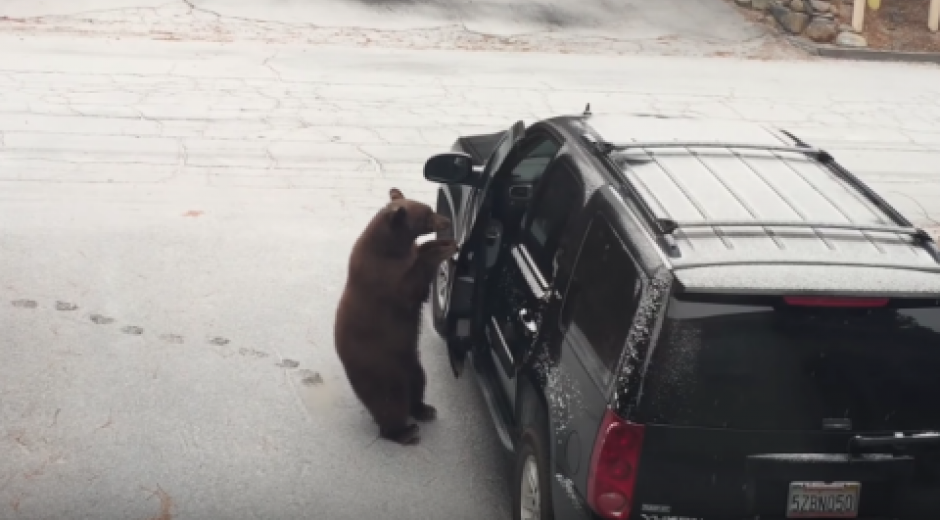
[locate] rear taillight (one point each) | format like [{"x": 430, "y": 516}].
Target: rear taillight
[
  {"x": 814, "y": 301},
  {"x": 614, "y": 465}
]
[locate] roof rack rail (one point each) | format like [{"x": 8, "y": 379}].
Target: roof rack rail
[
  {"x": 862, "y": 188},
  {"x": 669, "y": 226},
  {"x": 605, "y": 148},
  {"x": 795, "y": 262}
]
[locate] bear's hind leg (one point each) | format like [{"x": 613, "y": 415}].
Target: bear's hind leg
[
  {"x": 419, "y": 409},
  {"x": 406, "y": 436},
  {"x": 391, "y": 414}
]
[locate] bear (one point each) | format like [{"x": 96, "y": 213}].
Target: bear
[{"x": 378, "y": 317}]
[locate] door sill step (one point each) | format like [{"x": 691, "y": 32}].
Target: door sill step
[{"x": 485, "y": 387}]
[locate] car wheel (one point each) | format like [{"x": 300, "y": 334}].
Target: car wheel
[
  {"x": 532, "y": 499},
  {"x": 440, "y": 287}
]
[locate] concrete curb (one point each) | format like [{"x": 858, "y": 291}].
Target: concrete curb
[{"x": 850, "y": 53}]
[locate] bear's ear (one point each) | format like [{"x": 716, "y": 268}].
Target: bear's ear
[
  {"x": 395, "y": 194},
  {"x": 399, "y": 216}
]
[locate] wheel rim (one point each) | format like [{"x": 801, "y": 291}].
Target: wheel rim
[
  {"x": 443, "y": 277},
  {"x": 530, "y": 498}
]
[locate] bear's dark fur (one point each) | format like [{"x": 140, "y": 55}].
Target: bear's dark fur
[{"x": 379, "y": 314}]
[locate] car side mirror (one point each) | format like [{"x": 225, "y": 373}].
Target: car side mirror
[{"x": 450, "y": 168}]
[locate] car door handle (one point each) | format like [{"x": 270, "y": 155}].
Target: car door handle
[{"x": 528, "y": 322}]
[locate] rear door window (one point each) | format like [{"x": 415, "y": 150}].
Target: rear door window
[
  {"x": 601, "y": 300},
  {"x": 759, "y": 365}
]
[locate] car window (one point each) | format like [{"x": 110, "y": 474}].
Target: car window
[
  {"x": 494, "y": 162},
  {"x": 876, "y": 367},
  {"x": 550, "y": 212},
  {"x": 536, "y": 159},
  {"x": 601, "y": 299},
  {"x": 501, "y": 152}
]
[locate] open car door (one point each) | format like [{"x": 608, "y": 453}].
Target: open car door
[{"x": 470, "y": 265}]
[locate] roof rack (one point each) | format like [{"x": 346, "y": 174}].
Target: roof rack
[
  {"x": 670, "y": 226},
  {"x": 796, "y": 262},
  {"x": 665, "y": 227},
  {"x": 606, "y": 148}
]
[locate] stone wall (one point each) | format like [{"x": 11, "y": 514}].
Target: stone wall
[{"x": 822, "y": 21}]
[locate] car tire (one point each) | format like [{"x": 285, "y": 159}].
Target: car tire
[
  {"x": 440, "y": 286},
  {"x": 532, "y": 467}
]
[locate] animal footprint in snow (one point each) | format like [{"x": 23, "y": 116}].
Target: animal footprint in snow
[
  {"x": 252, "y": 352},
  {"x": 310, "y": 378},
  {"x": 133, "y": 329},
  {"x": 288, "y": 363},
  {"x": 101, "y": 319}
]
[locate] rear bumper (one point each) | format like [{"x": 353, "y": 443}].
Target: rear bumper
[{"x": 716, "y": 474}]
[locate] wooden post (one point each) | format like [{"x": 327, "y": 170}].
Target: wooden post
[
  {"x": 933, "y": 19},
  {"x": 858, "y": 15}
]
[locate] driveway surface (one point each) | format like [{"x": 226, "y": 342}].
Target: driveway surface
[{"x": 174, "y": 223}]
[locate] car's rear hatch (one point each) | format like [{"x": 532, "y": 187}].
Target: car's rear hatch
[{"x": 751, "y": 403}]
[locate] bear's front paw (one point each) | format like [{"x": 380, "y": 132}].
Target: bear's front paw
[
  {"x": 437, "y": 250},
  {"x": 435, "y": 244}
]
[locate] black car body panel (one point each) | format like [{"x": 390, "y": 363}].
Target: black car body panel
[{"x": 657, "y": 281}]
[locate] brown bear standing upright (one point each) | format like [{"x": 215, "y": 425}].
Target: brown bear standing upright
[{"x": 379, "y": 314}]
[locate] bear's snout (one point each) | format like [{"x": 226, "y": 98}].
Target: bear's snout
[{"x": 440, "y": 222}]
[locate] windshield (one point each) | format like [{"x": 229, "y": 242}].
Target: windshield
[{"x": 766, "y": 365}]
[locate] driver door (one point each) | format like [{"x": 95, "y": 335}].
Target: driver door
[{"x": 469, "y": 266}]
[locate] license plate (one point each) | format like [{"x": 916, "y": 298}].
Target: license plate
[{"x": 823, "y": 500}]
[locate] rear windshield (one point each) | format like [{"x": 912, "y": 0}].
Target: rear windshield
[{"x": 762, "y": 364}]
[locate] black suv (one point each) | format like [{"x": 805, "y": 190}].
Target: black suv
[{"x": 671, "y": 319}]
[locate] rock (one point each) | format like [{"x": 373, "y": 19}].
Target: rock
[
  {"x": 743, "y": 3},
  {"x": 821, "y": 30},
  {"x": 798, "y": 6},
  {"x": 834, "y": 9},
  {"x": 760, "y": 5},
  {"x": 846, "y": 28},
  {"x": 820, "y": 6},
  {"x": 793, "y": 22},
  {"x": 848, "y": 39},
  {"x": 824, "y": 16}
]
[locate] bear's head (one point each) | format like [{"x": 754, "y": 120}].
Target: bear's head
[{"x": 410, "y": 219}]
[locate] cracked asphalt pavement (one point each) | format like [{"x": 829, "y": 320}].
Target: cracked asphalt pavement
[{"x": 175, "y": 218}]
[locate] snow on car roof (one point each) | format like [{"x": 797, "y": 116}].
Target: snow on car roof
[{"x": 699, "y": 184}]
